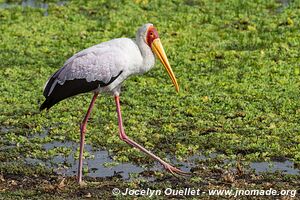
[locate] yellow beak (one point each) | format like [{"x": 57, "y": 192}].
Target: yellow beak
[{"x": 158, "y": 49}]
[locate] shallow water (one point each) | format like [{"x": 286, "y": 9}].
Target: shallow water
[
  {"x": 286, "y": 167},
  {"x": 44, "y": 5},
  {"x": 284, "y": 4},
  {"x": 100, "y": 163},
  {"x": 67, "y": 165},
  {"x": 31, "y": 3}
]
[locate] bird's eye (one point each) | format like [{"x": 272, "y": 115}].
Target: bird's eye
[{"x": 151, "y": 33}]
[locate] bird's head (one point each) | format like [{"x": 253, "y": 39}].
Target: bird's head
[{"x": 151, "y": 38}]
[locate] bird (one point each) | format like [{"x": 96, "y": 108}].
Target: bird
[{"x": 103, "y": 68}]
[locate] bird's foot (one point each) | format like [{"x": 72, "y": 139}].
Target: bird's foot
[
  {"x": 82, "y": 184},
  {"x": 175, "y": 171}
]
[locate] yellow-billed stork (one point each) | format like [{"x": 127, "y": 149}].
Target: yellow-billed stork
[{"x": 103, "y": 68}]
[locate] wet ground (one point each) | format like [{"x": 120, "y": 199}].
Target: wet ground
[
  {"x": 102, "y": 165},
  {"x": 56, "y": 176},
  {"x": 101, "y": 181},
  {"x": 24, "y": 176}
]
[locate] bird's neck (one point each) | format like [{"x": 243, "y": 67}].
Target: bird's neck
[{"x": 147, "y": 54}]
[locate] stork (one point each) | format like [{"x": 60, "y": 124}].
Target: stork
[{"x": 103, "y": 68}]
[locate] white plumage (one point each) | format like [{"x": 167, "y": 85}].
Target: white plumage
[
  {"x": 103, "y": 68},
  {"x": 102, "y": 63}
]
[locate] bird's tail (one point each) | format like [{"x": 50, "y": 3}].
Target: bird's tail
[{"x": 47, "y": 104}]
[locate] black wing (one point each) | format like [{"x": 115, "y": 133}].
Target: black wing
[{"x": 69, "y": 88}]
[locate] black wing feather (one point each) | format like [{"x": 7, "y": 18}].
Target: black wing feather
[
  {"x": 70, "y": 88},
  {"x": 50, "y": 82}
]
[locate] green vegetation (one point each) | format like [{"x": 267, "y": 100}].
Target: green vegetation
[{"x": 237, "y": 63}]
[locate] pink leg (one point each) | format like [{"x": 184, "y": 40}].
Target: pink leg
[
  {"x": 82, "y": 136},
  {"x": 125, "y": 138}
]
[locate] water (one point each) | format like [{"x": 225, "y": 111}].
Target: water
[
  {"x": 286, "y": 167},
  {"x": 67, "y": 165},
  {"x": 284, "y": 4},
  {"x": 101, "y": 164},
  {"x": 31, "y": 3}
]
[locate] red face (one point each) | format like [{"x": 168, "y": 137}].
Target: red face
[{"x": 151, "y": 35}]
